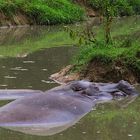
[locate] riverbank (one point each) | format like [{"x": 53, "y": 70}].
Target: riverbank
[
  {"x": 118, "y": 60},
  {"x": 100, "y": 63},
  {"x": 34, "y": 12}
]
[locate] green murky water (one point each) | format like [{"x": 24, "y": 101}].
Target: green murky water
[
  {"x": 30, "y": 67},
  {"x": 33, "y": 71},
  {"x": 29, "y": 55}
]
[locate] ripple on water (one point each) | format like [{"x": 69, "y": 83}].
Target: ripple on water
[
  {"x": 18, "y": 69},
  {"x": 44, "y": 69},
  {"x": 47, "y": 82},
  {"x": 29, "y": 62},
  {"x": 3, "y": 85},
  {"x": 10, "y": 77}
]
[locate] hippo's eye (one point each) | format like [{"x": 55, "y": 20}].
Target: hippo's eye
[{"x": 77, "y": 88}]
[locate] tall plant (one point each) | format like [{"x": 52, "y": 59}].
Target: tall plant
[{"x": 109, "y": 9}]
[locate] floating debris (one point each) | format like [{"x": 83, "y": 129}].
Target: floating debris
[
  {"x": 10, "y": 77},
  {"x": 28, "y": 61},
  {"x": 48, "y": 82},
  {"x": 19, "y": 69},
  {"x": 98, "y": 132},
  {"x": 3, "y": 66},
  {"x": 3, "y": 85},
  {"x": 44, "y": 69},
  {"x": 84, "y": 132},
  {"x": 22, "y": 55},
  {"x": 29, "y": 86},
  {"x": 130, "y": 135},
  {"x": 16, "y": 68}
]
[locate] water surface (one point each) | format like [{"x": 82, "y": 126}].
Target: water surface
[
  {"x": 33, "y": 71},
  {"x": 26, "y": 62}
]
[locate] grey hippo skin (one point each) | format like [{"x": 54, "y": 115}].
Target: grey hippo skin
[
  {"x": 50, "y": 112},
  {"x": 12, "y": 94}
]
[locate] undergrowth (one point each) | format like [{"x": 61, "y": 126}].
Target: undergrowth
[
  {"x": 43, "y": 11},
  {"x": 125, "y": 47}
]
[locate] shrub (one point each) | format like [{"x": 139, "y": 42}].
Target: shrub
[{"x": 44, "y": 11}]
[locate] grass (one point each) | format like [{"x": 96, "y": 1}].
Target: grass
[
  {"x": 43, "y": 12},
  {"x": 125, "y": 48},
  {"x": 125, "y": 7}
]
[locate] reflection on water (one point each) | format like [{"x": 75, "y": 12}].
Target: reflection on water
[
  {"x": 13, "y": 36},
  {"x": 19, "y": 42},
  {"x": 106, "y": 122}
]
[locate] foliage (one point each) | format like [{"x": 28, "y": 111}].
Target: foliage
[
  {"x": 82, "y": 36},
  {"x": 43, "y": 11},
  {"x": 111, "y": 8},
  {"x": 125, "y": 47},
  {"x": 124, "y": 7}
]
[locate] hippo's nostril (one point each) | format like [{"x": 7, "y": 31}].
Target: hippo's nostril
[{"x": 118, "y": 94}]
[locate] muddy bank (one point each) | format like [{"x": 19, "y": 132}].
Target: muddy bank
[
  {"x": 98, "y": 72},
  {"x": 111, "y": 72},
  {"x": 21, "y": 17},
  {"x": 14, "y": 20}
]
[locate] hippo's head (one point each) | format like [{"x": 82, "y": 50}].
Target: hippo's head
[
  {"x": 85, "y": 87},
  {"x": 103, "y": 92},
  {"x": 126, "y": 88}
]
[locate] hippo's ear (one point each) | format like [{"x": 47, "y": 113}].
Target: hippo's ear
[
  {"x": 126, "y": 88},
  {"x": 80, "y": 85},
  {"x": 125, "y": 85},
  {"x": 76, "y": 86}
]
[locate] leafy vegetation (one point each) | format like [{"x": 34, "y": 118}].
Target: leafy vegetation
[
  {"x": 109, "y": 44},
  {"x": 125, "y": 47},
  {"x": 123, "y": 7},
  {"x": 43, "y": 11},
  {"x": 112, "y": 8}
]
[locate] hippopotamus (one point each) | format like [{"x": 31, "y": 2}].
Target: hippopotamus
[{"x": 52, "y": 111}]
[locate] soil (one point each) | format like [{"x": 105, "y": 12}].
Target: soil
[
  {"x": 97, "y": 71},
  {"x": 113, "y": 72},
  {"x": 18, "y": 19}
]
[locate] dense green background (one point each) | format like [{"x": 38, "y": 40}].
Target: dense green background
[{"x": 43, "y": 11}]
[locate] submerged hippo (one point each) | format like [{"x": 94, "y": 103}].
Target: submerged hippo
[{"x": 50, "y": 112}]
